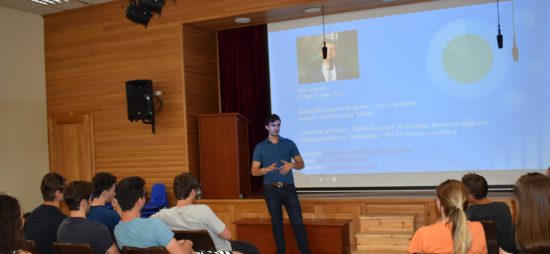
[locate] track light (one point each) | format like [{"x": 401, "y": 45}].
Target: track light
[
  {"x": 138, "y": 15},
  {"x": 152, "y": 5},
  {"x": 141, "y": 11}
]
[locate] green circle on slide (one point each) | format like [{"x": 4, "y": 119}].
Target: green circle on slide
[{"x": 467, "y": 58}]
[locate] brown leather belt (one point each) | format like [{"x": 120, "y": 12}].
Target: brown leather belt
[{"x": 278, "y": 184}]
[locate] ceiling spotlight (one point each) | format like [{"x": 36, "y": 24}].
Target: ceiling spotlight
[
  {"x": 138, "y": 15},
  {"x": 242, "y": 20},
  {"x": 152, "y": 5},
  {"x": 312, "y": 10}
]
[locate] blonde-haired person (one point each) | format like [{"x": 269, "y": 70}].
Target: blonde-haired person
[
  {"x": 532, "y": 231},
  {"x": 453, "y": 233}
]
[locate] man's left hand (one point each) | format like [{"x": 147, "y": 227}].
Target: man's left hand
[{"x": 286, "y": 167}]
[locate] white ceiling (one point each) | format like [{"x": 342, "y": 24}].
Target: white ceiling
[{"x": 40, "y": 9}]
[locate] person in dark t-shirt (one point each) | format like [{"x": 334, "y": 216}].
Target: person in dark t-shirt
[
  {"x": 483, "y": 209},
  {"x": 41, "y": 226},
  {"x": 103, "y": 190},
  {"x": 76, "y": 229}
]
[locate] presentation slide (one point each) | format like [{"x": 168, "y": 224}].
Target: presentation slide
[{"x": 412, "y": 95}]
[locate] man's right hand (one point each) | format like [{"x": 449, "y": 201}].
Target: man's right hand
[{"x": 270, "y": 168}]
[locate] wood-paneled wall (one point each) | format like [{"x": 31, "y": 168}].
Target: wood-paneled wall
[
  {"x": 90, "y": 53},
  {"x": 200, "y": 61}
]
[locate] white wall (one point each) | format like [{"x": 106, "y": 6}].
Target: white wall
[{"x": 23, "y": 124}]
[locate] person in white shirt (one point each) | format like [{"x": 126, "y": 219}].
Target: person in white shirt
[{"x": 188, "y": 216}]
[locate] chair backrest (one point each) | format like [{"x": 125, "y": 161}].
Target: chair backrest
[
  {"x": 158, "y": 194},
  {"x": 201, "y": 239},
  {"x": 31, "y": 247},
  {"x": 150, "y": 250},
  {"x": 72, "y": 248},
  {"x": 491, "y": 236}
]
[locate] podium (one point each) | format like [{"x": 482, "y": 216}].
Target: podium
[{"x": 224, "y": 155}]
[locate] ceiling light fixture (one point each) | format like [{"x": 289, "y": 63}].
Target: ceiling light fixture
[
  {"x": 311, "y": 10},
  {"x": 242, "y": 20},
  {"x": 141, "y": 11}
]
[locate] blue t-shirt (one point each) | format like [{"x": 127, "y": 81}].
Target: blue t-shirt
[
  {"x": 143, "y": 233},
  {"x": 268, "y": 153},
  {"x": 105, "y": 216}
]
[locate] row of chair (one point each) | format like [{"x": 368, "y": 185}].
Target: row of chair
[
  {"x": 85, "y": 248},
  {"x": 203, "y": 242},
  {"x": 200, "y": 238}
]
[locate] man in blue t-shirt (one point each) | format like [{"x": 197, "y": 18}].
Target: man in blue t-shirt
[
  {"x": 103, "y": 185},
  {"x": 134, "y": 231},
  {"x": 274, "y": 158}
]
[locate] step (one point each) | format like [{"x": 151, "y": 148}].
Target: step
[
  {"x": 383, "y": 247},
  {"x": 376, "y": 238},
  {"x": 379, "y": 252},
  {"x": 387, "y": 223}
]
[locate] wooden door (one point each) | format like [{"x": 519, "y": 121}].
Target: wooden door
[{"x": 71, "y": 145}]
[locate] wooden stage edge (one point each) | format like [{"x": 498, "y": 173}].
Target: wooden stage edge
[
  {"x": 344, "y": 206},
  {"x": 371, "y": 194}
]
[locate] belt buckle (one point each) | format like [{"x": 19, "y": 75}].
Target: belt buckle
[{"x": 279, "y": 184}]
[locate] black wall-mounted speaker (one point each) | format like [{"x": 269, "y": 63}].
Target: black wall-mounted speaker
[{"x": 139, "y": 97}]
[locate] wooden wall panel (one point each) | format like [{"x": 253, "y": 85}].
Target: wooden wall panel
[
  {"x": 90, "y": 53},
  {"x": 200, "y": 61}
]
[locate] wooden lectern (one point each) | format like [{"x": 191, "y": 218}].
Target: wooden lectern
[{"x": 224, "y": 155}]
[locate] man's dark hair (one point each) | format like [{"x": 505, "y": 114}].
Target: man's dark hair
[
  {"x": 51, "y": 182},
  {"x": 272, "y": 118},
  {"x": 75, "y": 192},
  {"x": 476, "y": 184},
  {"x": 102, "y": 181},
  {"x": 184, "y": 183},
  {"x": 128, "y": 191}
]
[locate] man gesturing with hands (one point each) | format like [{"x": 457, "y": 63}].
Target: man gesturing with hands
[{"x": 274, "y": 158}]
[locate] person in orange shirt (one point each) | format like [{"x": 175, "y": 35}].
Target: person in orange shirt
[{"x": 453, "y": 233}]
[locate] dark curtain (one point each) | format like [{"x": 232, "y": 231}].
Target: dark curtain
[{"x": 244, "y": 81}]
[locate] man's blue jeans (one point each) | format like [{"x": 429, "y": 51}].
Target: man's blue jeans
[{"x": 275, "y": 198}]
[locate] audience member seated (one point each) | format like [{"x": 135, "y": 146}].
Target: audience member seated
[
  {"x": 134, "y": 231},
  {"x": 76, "y": 229},
  {"x": 11, "y": 235},
  {"x": 188, "y": 216},
  {"x": 103, "y": 188},
  {"x": 453, "y": 233},
  {"x": 41, "y": 227},
  {"x": 532, "y": 229},
  {"x": 481, "y": 208},
  {"x": 157, "y": 200}
]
